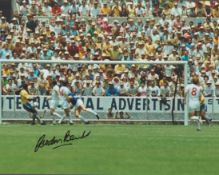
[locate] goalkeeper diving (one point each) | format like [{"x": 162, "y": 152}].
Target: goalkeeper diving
[{"x": 77, "y": 106}]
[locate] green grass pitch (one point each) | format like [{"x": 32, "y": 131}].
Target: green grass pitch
[{"x": 112, "y": 150}]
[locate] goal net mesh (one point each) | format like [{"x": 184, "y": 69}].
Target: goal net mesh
[{"x": 131, "y": 90}]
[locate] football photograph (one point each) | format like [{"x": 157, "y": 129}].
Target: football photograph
[{"x": 109, "y": 87}]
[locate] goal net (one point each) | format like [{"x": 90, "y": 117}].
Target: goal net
[{"x": 117, "y": 90}]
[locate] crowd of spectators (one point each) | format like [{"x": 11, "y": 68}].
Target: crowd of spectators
[
  {"x": 120, "y": 8},
  {"x": 82, "y": 30}
]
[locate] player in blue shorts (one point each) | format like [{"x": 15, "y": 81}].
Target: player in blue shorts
[
  {"x": 203, "y": 110},
  {"x": 78, "y": 106}
]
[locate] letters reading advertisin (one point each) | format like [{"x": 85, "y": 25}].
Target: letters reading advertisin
[
  {"x": 89, "y": 103},
  {"x": 102, "y": 104}
]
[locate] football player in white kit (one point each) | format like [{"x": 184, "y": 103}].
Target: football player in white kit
[
  {"x": 193, "y": 93},
  {"x": 64, "y": 91},
  {"x": 55, "y": 100}
]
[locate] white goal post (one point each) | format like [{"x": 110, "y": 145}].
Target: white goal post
[{"x": 183, "y": 63}]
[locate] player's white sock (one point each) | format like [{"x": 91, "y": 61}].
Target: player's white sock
[
  {"x": 57, "y": 115},
  {"x": 71, "y": 119},
  {"x": 61, "y": 119},
  {"x": 91, "y": 111},
  {"x": 82, "y": 119},
  {"x": 195, "y": 118},
  {"x": 53, "y": 119},
  {"x": 198, "y": 120},
  {"x": 198, "y": 125},
  {"x": 54, "y": 115}
]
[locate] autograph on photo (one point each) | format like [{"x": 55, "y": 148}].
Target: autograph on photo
[{"x": 59, "y": 142}]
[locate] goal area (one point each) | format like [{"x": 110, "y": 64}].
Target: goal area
[{"x": 144, "y": 90}]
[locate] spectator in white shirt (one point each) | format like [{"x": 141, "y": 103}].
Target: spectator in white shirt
[
  {"x": 47, "y": 10},
  {"x": 152, "y": 75},
  {"x": 176, "y": 10},
  {"x": 11, "y": 87},
  {"x": 165, "y": 90},
  {"x": 142, "y": 90},
  {"x": 95, "y": 10},
  {"x": 132, "y": 89},
  {"x": 122, "y": 90},
  {"x": 169, "y": 70},
  {"x": 154, "y": 90},
  {"x": 208, "y": 90},
  {"x": 84, "y": 9},
  {"x": 139, "y": 11},
  {"x": 66, "y": 8},
  {"x": 87, "y": 89},
  {"x": 190, "y": 7},
  {"x": 98, "y": 89}
]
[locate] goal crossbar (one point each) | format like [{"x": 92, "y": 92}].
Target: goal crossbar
[
  {"x": 184, "y": 63},
  {"x": 92, "y": 62}
]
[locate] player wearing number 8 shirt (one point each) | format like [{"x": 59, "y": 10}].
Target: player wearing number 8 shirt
[{"x": 193, "y": 92}]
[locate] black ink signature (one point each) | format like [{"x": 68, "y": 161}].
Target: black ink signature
[{"x": 58, "y": 142}]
